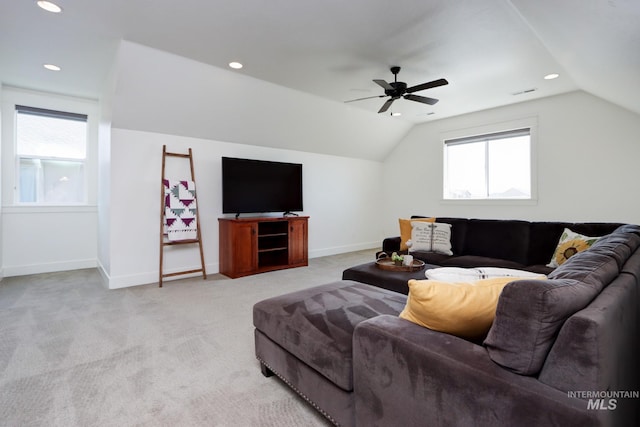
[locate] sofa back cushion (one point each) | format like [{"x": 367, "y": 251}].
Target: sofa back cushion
[
  {"x": 525, "y": 243},
  {"x": 544, "y": 237},
  {"x": 502, "y": 239},
  {"x": 596, "y": 347},
  {"x": 530, "y": 313},
  {"x": 543, "y": 240}
]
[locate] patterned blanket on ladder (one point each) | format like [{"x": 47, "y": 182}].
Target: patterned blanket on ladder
[{"x": 180, "y": 210}]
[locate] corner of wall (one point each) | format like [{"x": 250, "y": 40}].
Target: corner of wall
[{"x": 1, "y": 207}]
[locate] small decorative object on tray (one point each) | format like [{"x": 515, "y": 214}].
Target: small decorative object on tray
[
  {"x": 397, "y": 259},
  {"x": 396, "y": 262}
]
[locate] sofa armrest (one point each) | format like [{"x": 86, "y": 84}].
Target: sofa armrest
[
  {"x": 408, "y": 375},
  {"x": 391, "y": 244}
]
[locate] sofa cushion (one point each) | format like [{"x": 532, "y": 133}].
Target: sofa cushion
[
  {"x": 569, "y": 244},
  {"x": 619, "y": 244},
  {"x": 596, "y": 267},
  {"x": 501, "y": 239},
  {"x": 593, "y": 341},
  {"x": 479, "y": 261},
  {"x": 465, "y": 309},
  {"x": 528, "y": 317},
  {"x": 432, "y": 258},
  {"x": 316, "y": 324},
  {"x": 544, "y": 236},
  {"x": 543, "y": 240},
  {"x": 530, "y": 313}
]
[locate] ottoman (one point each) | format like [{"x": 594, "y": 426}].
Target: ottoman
[
  {"x": 385, "y": 279},
  {"x": 305, "y": 338}
]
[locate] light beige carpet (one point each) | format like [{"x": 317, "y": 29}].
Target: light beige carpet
[{"x": 73, "y": 353}]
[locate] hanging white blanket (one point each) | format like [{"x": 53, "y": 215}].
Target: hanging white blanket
[{"x": 180, "y": 210}]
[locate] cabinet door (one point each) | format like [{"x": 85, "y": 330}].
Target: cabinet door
[
  {"x": 244, "y": 242},
  {"x": 298, "y": 241}
]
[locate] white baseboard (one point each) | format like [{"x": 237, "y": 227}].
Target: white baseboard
[
  {"x": 51, "y": 267},
  {"x": 125, "y": 281},
  {"x": 145, "y": 278},
  {"x": 343, "y": 249}
]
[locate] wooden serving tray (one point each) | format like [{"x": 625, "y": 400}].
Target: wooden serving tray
[{"x": 387, "y": 264}]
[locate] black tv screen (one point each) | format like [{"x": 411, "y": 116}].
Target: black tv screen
[{"x": 254, "y": 186}]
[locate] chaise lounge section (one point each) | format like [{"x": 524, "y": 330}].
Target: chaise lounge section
[{"x": 343, "y": 347}]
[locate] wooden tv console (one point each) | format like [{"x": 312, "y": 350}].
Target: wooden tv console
[{"x": 256, "y": 245}]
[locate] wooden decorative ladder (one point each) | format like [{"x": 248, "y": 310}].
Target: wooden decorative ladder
[{"x": 164, "y": 241}]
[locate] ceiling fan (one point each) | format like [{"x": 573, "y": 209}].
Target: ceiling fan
[{"x": 398, "y": 89}]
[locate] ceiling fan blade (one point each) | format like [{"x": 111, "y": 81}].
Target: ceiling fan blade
[
  {"x": 386, "y": 105},
  {"x": 423, "y": 99},
  {"x": 368, "y": 97},
  {"x": 429, "y": 85},
  {"x": 384, "y": 84}
]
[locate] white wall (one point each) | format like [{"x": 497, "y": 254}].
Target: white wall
[
  {"x": 1, "y": 220},
  {"x": 587, "y": 153},
  {"x": 104, "y": 173},
  {"x": 341, "y": 196},
  {"x": 165, "y": 93},
  {"x": 38, "y": 239},
  {"x": 587, "y": 164}
]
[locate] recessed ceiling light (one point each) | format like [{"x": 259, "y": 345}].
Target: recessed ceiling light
[
  {"x": 235, "y": 65},
  {"x": 551, "y": 76},
  {"x": 51, "y": 67},
  {"x": 396, "y": 114},
  {"x": 49, "y": 6}
]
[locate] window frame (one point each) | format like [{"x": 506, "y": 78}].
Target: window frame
[
  {"x": 490, "y": 131},
  {"x": 43, "y": 112},
  {"x": 11, "y": 97}
]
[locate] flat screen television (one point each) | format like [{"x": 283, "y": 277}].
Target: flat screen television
[{"x": 257, "y": 186}]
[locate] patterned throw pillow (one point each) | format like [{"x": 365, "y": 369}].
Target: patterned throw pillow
[
  {"x": 570, "y": 244},
  {"x": 431, "y": 237},
  {"x": 405, "y": 230}
]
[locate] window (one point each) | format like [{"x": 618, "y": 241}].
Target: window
[
  {"x": 489, "y": 166},
  {"x": 51, "y": 153}
]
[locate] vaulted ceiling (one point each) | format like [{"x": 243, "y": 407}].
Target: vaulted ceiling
[{"x": 322, "y": 53}]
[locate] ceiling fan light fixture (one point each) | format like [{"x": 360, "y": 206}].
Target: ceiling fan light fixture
[
  {"x": 49, "y": 6},
  {"x": 396, "y": 114},
  {"x": 396, "y": 90},
  {"x": 235, "y": 65},
  {"x": 551, "y": 76}
]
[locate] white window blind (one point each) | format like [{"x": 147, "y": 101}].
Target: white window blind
[
  {"x": 51, "y": 151},
  {"x": 489, "y": 166}
]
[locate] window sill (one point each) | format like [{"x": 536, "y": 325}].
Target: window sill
[
  {"x": 490, "y": 202},
  {"x": 32, "y": 209}
]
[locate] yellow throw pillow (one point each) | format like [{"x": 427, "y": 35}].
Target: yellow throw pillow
[
  {"x": 464, "y": 309},
  {"x": 405, "y": 230}
]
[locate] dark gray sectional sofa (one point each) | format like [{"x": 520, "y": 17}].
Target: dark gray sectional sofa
[
  {"x": 561, "y": 352},
  {"x": 521, "y": 245}
]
